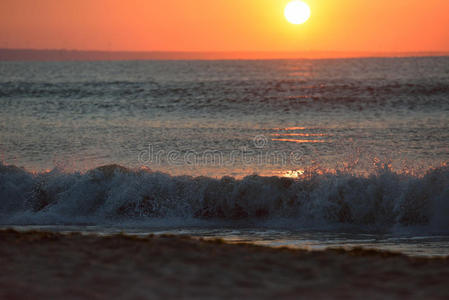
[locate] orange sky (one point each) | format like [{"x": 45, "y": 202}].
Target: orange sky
[{"x": 224, "y": 25}]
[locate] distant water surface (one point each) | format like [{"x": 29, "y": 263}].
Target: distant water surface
[{"x": 78, "y": 115}]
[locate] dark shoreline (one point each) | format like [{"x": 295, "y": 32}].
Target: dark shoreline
[{"x": 45, "y": 265}]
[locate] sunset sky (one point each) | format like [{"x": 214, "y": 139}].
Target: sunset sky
[{"x": 224, "y": 25}]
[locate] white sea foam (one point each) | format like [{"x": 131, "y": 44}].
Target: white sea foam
[{"x": 113, "y": 194}]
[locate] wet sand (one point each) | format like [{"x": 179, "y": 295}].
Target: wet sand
[{"x": 40, "y": 265}]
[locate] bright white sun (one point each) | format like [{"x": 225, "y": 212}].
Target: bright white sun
[{"x": 297, "y": 12}]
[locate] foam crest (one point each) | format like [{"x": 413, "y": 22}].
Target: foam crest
[{"x": 114, "y": 194}]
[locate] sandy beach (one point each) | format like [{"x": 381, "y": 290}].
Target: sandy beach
[{"x": 43, "y": 265}]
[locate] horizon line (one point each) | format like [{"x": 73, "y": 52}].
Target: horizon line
[{"x": 33, "y": 54}]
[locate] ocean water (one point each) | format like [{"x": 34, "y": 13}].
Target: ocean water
[{"x": 314, "y": 152}]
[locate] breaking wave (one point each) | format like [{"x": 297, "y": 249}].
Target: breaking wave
[{"x": 114, "y": 194}]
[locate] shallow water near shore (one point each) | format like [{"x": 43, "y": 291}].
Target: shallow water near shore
[{"x": 409, "y": 244}]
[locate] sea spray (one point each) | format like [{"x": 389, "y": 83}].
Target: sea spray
[{"x": 382, "y": 200}]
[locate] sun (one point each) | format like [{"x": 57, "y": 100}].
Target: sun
[{"x": 297, "y": 12}]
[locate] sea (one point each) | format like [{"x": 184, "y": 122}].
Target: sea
[{"x": 302, "y": 153}]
